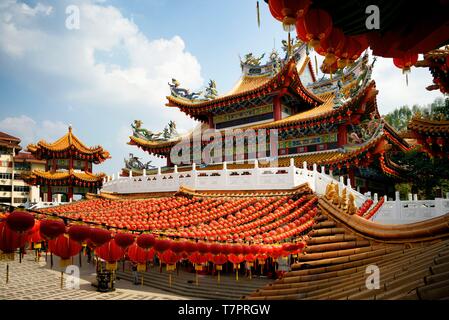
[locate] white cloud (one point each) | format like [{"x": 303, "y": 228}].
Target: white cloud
[
  {"x": 31, "y": 131},
  {"x": 393, "y": 89},
  {"x": 137, "y": 78}
]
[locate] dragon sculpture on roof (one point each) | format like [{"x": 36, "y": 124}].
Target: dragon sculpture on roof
[{"x": 168, "y": 133}]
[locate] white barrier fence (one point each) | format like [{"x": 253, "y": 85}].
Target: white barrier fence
[
  {"x": 410, "y": 211},
  {"x": 276, "y": 178}
]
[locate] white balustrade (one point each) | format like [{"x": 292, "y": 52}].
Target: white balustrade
[{"x": 275, "y": 178}]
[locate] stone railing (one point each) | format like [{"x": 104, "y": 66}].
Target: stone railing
[
  {"x": 412, "y": 210},
  {"x": 273, "y": 178}
]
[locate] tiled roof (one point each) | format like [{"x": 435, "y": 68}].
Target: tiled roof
[
  {"x": 28, "y": 157},
  {"x": 429, "y": 126},
  {"x": 84, "y": 176},
  {"x": 413, "y": 260},
  {"x": 69, "y": 140},
  {"x": 249, "y": 85}
]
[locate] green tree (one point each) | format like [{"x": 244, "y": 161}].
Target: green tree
[{"x": 426, "y": 174}]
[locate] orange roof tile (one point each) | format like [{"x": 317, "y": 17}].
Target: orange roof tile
[
  {"x": 429, "y": 126},
  {"x": 84, "y": 176},
  {"x": 69, "y": 140}
]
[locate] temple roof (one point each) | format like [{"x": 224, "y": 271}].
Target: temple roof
[
  {"x": 412, "y": 260},
  {"x": 251, "y": 86},
  {"x": 70, "y": 142},
  {"x": 27, "y": 157},
  {"x": 431, "y": 127},
  {"x": 9, "y": 141},
  {"x": 83, "y": 176}
]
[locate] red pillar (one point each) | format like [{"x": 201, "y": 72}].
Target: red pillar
[
  {"x": 277, "y": 110},
  {"x": 49, "y": 194},
  {"x": 71, "y": 164},
  {"x": 342, "y": 135},
  {"x": 86, "y": 166},
  {"x": 54, "y": 168},
  {"x": 169, "y": 163},
  {"x": 70, "y": 193},
  {"x": 211, "y": 121}
]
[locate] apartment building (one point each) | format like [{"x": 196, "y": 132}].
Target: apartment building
[{"x": 14, "y": 166}]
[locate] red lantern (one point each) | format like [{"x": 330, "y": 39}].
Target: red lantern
[
  {"x": 64, "y": 248},
  {"x": 139, "y": 255},
  {"x": 349, "y": 52},
  {"x": 189, "y": 246},
  {"x": 51, "y": 229},
  {"x": 161, "y": 245},
  {"x": 301, "y": 30},
  {"x": 34, "y": 235},
  {"x": 219, "y": 259},
  {"x": 124, "y": 240},
  {"x": 169, "y": 257},
  {"x": 99, "y": 236},
  {"x": 287, "y": 11},
  {"x": 197, "y": 258},
  {"x": 79, "y": 233},
  {"x": 111, "y": 252},
  {"x": 332, "y": 45},
  {"x": 406, "y": 61},
  {"x": 318, "y": 25},
  {"x": 236, "y": 258},
  {"x": 10, "y": 240},
  {"x": 202, "y": 247},
  {"x": 20, "y": 221},
  {"x": 146, "y": 241}
]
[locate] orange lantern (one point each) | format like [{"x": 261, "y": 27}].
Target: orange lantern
[
  {"x": 318, "y": 25},
  {"x": 111, "y": 253},
  {"x": 406, "y": 61},
  {"x": 287, "y": 11},
  {"x": 331, "y": 45},
  {"x": 64, "y": 248},
  {"x": 20, "y": 221}
]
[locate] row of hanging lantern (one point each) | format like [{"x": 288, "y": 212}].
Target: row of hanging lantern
[
  {"x": 315, "y": 27},
  {"x": 20, "y": 227}
]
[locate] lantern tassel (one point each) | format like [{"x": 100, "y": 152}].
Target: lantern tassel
[
  {"x": 196, "y": 277},
  {"x": 7, "y": 273},
  {"x": 218, "y": 279},
  {"x": 62, "y": 279},
  {"x": 406, "y": 79},
  {"x": 316, "y": 65},
  {"x": 236, "y": 274},
  {"x": 289, "y": 48},
  {"x": 169, "y": 279},
  {"x": 258, "y": 14},
  {"x": 141, "y": 281}
]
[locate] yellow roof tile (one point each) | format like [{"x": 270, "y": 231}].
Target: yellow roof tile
[
  {"x": 84, "y": 176},
  {"x": 67, "y": 141}
]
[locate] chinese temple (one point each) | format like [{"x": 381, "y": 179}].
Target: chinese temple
[
  {"x": 331, "y": 122},
  {"x": 68, "y": 169}
]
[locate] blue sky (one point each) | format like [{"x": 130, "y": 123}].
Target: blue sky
[{"x": 115, "y": 68}]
